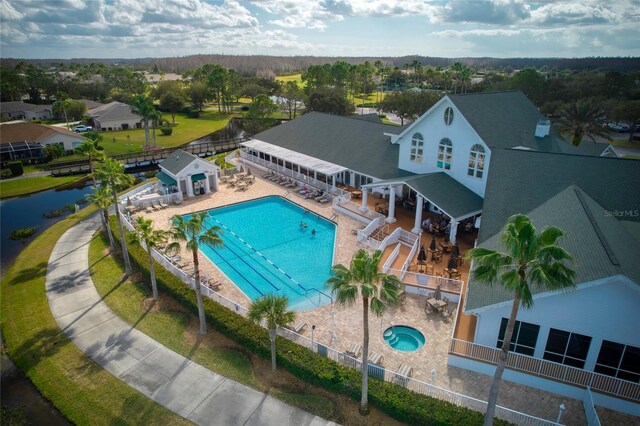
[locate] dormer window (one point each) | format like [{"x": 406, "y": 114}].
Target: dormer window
[
  {"x": 417, "y": 143},
  {"x": 445, "y": 149},
  {"x": 448, "y": 116},
  {"x": 476, "y": 161}
]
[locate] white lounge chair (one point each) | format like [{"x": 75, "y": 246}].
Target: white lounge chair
[
  {"x": 354, "y": 350},
  {"x": 298, "y": 327},
  {"x": 376, "y": 358}
]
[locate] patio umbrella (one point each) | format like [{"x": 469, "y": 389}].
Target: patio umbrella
[
  {"x": 129, "y": 201},
  {"x": 422, "y": 256},
  {"x": 455, "y": 251},
  {"x": 452, "y": 262},
  {"x": 248, "y": 171},
  {"x": 437, "y": 294},
  {"x": 432, "y": 246}
]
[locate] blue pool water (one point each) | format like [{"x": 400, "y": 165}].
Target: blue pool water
[
  {"x": 267, "y": 251},
  {"x": 403, "y": 338}
]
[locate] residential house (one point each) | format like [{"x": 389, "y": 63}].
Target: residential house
[
  {"x": 114, "y": 116},
  {"x": 24, "y": 111},
  {"x": 26, "y": 140}
]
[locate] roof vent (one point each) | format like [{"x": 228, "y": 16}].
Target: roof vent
[{"x": 542, "y": 128}]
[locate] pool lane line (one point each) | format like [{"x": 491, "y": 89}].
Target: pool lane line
[
  {"x": 238, "y": 272},
  {"x": 240, "y": 257},
  {"x": 261, "y": 255}
]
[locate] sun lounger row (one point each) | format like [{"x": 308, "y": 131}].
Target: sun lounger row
[{"x": 156, "y": 205}]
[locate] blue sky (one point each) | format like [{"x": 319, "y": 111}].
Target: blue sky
[{"x": 449, "y": 28}]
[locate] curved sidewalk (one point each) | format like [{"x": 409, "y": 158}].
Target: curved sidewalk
[{"x": 166, "y": 377}]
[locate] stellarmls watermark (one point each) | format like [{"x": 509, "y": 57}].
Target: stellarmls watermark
[{"x": 622, "y": 213}]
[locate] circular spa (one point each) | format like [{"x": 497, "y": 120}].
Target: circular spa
[{"x": 404, "y": 338}]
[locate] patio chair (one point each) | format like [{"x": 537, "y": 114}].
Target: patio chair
[
  {"x": 325, "y": 199},
  {"x": 376, "y": 358},
  {"x": 156, "y": 205},
  {"x": 149, "y": 209},
  {"x": 448, "y": 313},
  {"x": 354, "y": 350},
  {"x": 274, "y": 178},
  {"x": 163, "y": 204},
  {"x": 298, "y": 327},
  {"x": 402, "y": 375},
  {"x": 429, "y": 269},
  {"x": 291, "y": 184}
]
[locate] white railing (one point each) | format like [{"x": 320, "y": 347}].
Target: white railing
[
  {"x": 363, "y": 235},
  {"x": 590, "y": 409},
  {"x": 563, "y": 373},
  {"x": 392, "y": 257},
  {"x": 422, "y": 284},
  {"x": 142, "y": 189},
  {"x": 407, "y": 262}
]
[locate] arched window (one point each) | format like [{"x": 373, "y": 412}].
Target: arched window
[
  {"x": 448, "y": 116},
  {"x": 445, "y": 149},
  {"x": 417, "y": 142},
  {"x": 476, "y": 161}
]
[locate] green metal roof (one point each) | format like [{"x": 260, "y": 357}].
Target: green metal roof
[
  {"x": 359, "y": 145},
  {"x": 600, "y": 244},
  {"x": 166, "y": 179},
  {"x": 177, "y": 161},
  {"x": 199, "y": 176},
  {"x": 442, "y": 190}
]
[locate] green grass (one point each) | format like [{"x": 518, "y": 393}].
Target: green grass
[
  {"x": 220, "y": 159},
  {"x": 293, "y": 77},
  {"x": 31, "y": 168},
  {"x": 16, "y": 187},
  {"x": 185, "y": 130},
  {"x": 165, "y": 322},
  {"x": 79, "y": 388},
  {"x": 625, "y": 143}
]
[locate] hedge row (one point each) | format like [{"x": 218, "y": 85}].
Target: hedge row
[{"x": 400, "y": 403}]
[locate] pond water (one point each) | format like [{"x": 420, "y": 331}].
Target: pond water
[
  {"x": 28, "y": 211},
  {"x": 232, "y": 130}
]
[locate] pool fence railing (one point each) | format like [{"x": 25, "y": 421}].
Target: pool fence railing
[{"x": 375, "y": 371}]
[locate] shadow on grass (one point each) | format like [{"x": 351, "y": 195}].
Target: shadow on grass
[
  {"x": 28, "y": 274},
  {"x": 44, "y": 344}
]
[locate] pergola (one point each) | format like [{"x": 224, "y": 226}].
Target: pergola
[{"x": 448, "y": 195}]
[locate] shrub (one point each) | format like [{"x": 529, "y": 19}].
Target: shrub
[
  {"x": 16, "y": 168},
  {"x": 398, "y": 402},
  {"x": 167, "y": 130},
  {"x": 193, "y": 113}
]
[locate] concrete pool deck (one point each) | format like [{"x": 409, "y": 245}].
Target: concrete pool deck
[{"x": 346, "y": 322}]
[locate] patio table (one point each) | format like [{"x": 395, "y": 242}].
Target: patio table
[{"x": 436, "y": 304}]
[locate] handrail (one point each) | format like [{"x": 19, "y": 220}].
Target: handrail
[{"x": 382, "y": 230}]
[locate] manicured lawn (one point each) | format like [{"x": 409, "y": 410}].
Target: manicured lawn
[
  {"x": 185, "y": 130},
  {"x": 16, "y": 187},
  {"x": 79, "y": 388},
  {"x": 625, "y": 143},
  {"x": 293, "y": 77}
]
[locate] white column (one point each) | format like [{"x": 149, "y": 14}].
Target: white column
[
  {"x": 416, "y": 224},
  {"x": 392, "y": 205},
  {"x": 352, "y": 179},
  {"x": 216, "y": 181},
  {"x": 333, "y": 182},
  {"x": 364, "y": 207},
  {"x": 207, "y": 188},
  {"x": 454, "y": 231},
  {"x": 189, "y": 186}
]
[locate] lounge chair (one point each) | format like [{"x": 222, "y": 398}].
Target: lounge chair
[
  {"x": 402, "y": 375},
  {"x": 163, "y": 204},
  {"x": 241, "y": 186},
  {"x": 319, "y": 197},
  {"x": 313, "y": 194},
  {"x": 376, "y": 358},
  {"x": 274, "y": 178},
  {"x": 325, "y": 199},
  {"x": 268, "y": 175},
  {"x": 156, "y": 205},
  {"x": 354, "y": 350},
  {"x": 298, "y": 327},
  {"x": 149, "y": 209},
  {"x": 291, "y": 184},
  {"x": 285, "y": 182}
]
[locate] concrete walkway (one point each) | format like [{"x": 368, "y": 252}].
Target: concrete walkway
[{"x": 166, "y": 377}]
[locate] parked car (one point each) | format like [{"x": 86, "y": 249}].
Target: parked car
[
  {"x": 618, "y": 127},
  {"x": 82, "y": 128}
]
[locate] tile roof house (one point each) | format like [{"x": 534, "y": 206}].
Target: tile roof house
[
  {"x": 24, "y": 111},
  {"x": 26, "y": 140},
  {"x": 487, "y": 156},
  {"x": 114, "y": 116}
]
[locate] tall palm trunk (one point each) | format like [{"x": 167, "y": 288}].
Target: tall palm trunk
[
  {"x": 107, "y": 228},
  {"x": 364, "y": 402},
  {"x": 196, "y": 267},
  {"x": 152, "y": 271},
  {"x": 123, "y": 243},
  {"x": 145, "y": 124},
  {"x": 272, "y": 337},
  {"x": 502, "y": 362}
]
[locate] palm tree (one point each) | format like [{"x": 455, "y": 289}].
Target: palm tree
[
  {"x": 93, "y": 151},
  {"x": 143, "y": 105},
  {"x": 152, "y": 238},
  {"x": 531, "y": 258},
  {"x": 273, "y": 309},
  {"x": 376, "y": 289},
  {"x": 581, "y": 119},
  {"x": 62, "y": 103},
  {"x": 156, "y": 117},
  {"x": 191, "y": 232},
  {"x": 101, "y": 197},
  {"x": 111, "y": 175}
]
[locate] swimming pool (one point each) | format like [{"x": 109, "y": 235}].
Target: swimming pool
[{"x": 266, "y": 250}]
